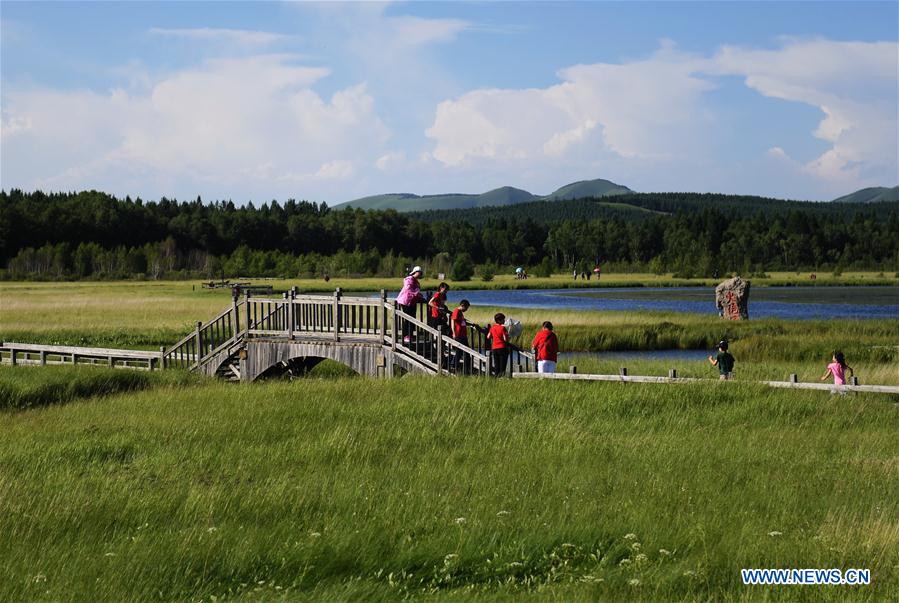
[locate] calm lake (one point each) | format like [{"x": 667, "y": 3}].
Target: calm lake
[{"x": 777, "y": 302}]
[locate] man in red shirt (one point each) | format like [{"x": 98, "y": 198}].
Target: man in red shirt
[
  {"x": 459, "y": 328},
  {"x": 498, "y": 337},
  {"x": 546, "y": 349}
]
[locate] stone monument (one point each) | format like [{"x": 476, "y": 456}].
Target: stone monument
[{"x": 732, "y": 299}]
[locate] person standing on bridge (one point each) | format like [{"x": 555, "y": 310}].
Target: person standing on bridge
[
  {"x": 459, "y": 327},
  {"x": 546, "y": 349},
  {"x": 410, "y": 295},
  {"x": 437, "y": 310},
  {"x": 498, "y": 337}
]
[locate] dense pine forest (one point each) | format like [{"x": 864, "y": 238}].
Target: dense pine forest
[{"x": 92, "y": 234}]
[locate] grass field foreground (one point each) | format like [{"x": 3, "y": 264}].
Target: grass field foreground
[{"x": 349, "y": 489}]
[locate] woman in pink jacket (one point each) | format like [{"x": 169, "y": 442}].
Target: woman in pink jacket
[{"x": 409, "y": 296}]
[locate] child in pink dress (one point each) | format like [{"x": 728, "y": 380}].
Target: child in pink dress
[{"x": 837, "y": 368}]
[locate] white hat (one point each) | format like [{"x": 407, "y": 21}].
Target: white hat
[{"x": 416, "y": 269}]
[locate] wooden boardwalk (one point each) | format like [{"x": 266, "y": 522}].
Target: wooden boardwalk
[{"x": 258, "y": 336}]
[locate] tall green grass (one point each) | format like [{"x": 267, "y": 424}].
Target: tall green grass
[
  {"x": 364, "y": 489},
  {"x": 27, "y": 387}
]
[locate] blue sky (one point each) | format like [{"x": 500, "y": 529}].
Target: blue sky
[{"x": 254, "y": 101}]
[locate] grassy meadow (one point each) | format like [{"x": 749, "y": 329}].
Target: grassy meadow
[{"x": 379, "y": 490}]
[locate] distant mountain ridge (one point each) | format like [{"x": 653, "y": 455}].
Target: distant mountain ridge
[
  {"x": 870, "y": 195},
  {"x": 505, "y": 195}
]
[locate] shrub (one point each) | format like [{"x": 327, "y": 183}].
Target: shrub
[
  {"x": 463, "y": 268},
  {"x": 488, "y": 271}
]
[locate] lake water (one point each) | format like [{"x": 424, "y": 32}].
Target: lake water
[{"x": 764, "y": 302}]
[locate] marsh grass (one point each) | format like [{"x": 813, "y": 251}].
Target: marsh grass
[
  {"x": 352, "y": 489},
  {"x": 27, "y": 387}
]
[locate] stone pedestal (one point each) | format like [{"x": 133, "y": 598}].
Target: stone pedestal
[{"x": 732, "y": 299}]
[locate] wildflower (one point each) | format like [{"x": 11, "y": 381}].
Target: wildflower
[
  {"x": 211, "y": 529},
  {"x": 640, "y": 558},
  {"x": 516, "y": 564},
  {"x": 775, "y": 533},
  {"x": 39, "y": 578},
  {"x": 689, "y": 574},
  {"x": 633, "y": 582},
  {"x": 630, "y": 536},
  {"x": 503, "y": 513},
  {"x": 635, "y": 546},
  {"x": 109, "y": 554},
  {"x": 665, "y": 552},
  {"x": 460, "y": 521},
  {"x": 315, "y": 534},
  {"x": 449, "y": 558},
  {"x": 624, "y": 562}
]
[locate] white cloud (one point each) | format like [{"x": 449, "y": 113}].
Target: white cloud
[
  {"x": 854, "y": 84},
  {"x": 645, "y": 109},
  {"x": 655, "y": 112},
  {"x": 238, "y": 126},
  {"x": 390, "y": 161},
  {"x": 241, "y": 37}
]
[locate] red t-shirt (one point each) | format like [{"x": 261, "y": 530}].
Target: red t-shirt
[
  {"x": 547, "y": 345},
  {"x": 459, "y": 324},
  {"x": 440, "y": 302},
  {"x": 498, "y": 337}
]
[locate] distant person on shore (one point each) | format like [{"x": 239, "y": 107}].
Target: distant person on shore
[
  {"x": 546, "y": 349},
  {"x": 838, "y": 368},
  {"x": 409, "y": 296},
  {"x": 574, "y": 274},
  {"x": 437, "y": 310},
  {"x": 724, "y": 361},
  {"x": 498, "y": 337},
  {"x": 459, "y": 329}
]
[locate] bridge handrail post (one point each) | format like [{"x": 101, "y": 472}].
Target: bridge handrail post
[
  {"x": 439, "y": 351},
  {"x": 247, "y": 309},
  {"x": 383, "y": 317},
  {"x": 396, "y": 325},
  {"x": 161, "y": 357},
  {"x": 337, "y": 294},
  {"x": 290, "y": 310},
  {"x": 199, "y": 337},
  {"x": 234, "y": 309}
]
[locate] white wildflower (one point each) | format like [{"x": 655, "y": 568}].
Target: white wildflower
[
  {"x": 460, "y": 521},
  {"x": 640, "y": 558},
  {"x": 39, "y": 578},
  {"x": 109, "y": 554},
  {"x": 635, "y": 546},
  {"x": 315, "y": 534},
  {"x": 503, "y": 513},
  {"x": 689, "y": 574},
  {"x": 633, "y": 582},
  {"x": 624, "y": 562},
  {"x": 775, "y": 533},
  {"x": 630, "y": 536},
  {"x": 665, "y": 552},
  {"x": 212, "y": 529},
  {"x": 516, "y": 564}
]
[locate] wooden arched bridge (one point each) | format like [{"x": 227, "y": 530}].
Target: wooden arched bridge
[
  {"x": 265, "y": 336},
  {"x": 262, "y": 336}
]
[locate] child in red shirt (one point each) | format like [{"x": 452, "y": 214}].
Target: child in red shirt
[
  {"x": 459, "y": 329},
  {"x": 437, "y": 308},
  {"x": 546, "y": 349},
  {"x": 498, "y": 337}
]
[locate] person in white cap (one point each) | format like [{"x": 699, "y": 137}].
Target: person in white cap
[{"x": 409, "y": 296}]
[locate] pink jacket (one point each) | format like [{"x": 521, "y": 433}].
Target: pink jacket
[{"x": 410, "y": 293}]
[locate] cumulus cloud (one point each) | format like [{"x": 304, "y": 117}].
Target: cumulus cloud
[
  {"x": 239, "y": 124},
  {"x": 655, "y": 111},
  {"x": 853, "y": 84}
]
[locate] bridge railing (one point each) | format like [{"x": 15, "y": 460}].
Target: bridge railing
[{"x": 433, "y": 347}]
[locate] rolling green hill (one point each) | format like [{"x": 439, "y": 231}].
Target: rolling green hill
[
  {"x": 506, "y": 195},
  {"x": 588, "y": 189},
  {"x": 870, "y": 195}
]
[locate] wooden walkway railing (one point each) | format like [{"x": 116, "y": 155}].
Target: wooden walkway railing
[{"x": 15, "y": 353}]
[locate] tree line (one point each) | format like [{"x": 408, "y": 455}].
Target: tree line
[{"x": 91, "y": 234}]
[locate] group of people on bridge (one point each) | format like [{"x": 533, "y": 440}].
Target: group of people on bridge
[{"x": 454, "y": 324}]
